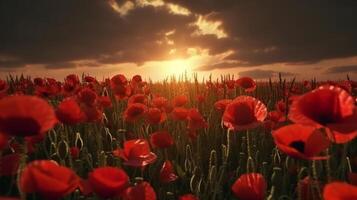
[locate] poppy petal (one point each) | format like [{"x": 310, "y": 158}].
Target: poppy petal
[{"x": 340, "y": 191}]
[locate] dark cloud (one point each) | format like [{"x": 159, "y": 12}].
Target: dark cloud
[
  {"x": 12, "y": 64},
  {"x": 62, "y": 31},
  {"x": 221, "y": 65},
  {"x": 206, "y": 6},
  {"x": 56, "y": 33},
  {"x": 61, "y": 65},
  {"x": 263, "y": 74},
  {"x": 342, "y": 69},
  {"x": 283, "y": 31}
]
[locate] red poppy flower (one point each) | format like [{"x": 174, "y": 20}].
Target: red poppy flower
[
  {"x": 307, "y": 84},
  {"x": 188, "y": 197},
  {"x": 221, "y": 105},
  {"x": 90, "y": 79},
  {"x": 3, "y": 141},
  {"x": 119, "y": 79},
  {"x": 39, "y": 81},
  {"x": 167, "y": 173},
  {"x": 147, "y": 90},
  {"x": 87, "y": 96},
  {"x": 230, "y": 84},
  {"x": 9, "y": 164},
  {"x": 3, "y": 88},
  {"x": 121, "y": 92},
  {"x": 134, "y": 111},
  {"x": 168, "y": 108},
  {"x": 32, "y": 141},
  {"x": 346, "y": 85},
  {"x": 72, "y": 78},
  {"x": 280, "y": 106},
  {"x": 137, "y": 79},
  {"x": 159, "y": 102},
  {"x": 250, "y": 187},
  {"x": 48, "y": 179},
  {"x": 340, "y": 191},
  {"x": 201, "y": 99},
  {"x": 69, "y": 112},
  {"x": 141, "y": 191},
  {"x": 327, "y": 106},
  {"x": 108, "y": 182},
  {"x": 195, "y": 120},
  {"x": 299, "y": 141},
  {"x": 155, "y": 116},
  {"x": 69, "y": 89},
  {"x": 48, "y": 90},
  {"x": 74, "y": 152},
  {"x": 137, "y": 153},
  {"x": 92, "y": 113},
  {"x": 52, "y": 81},
  {"x": 295, "y": 90},
  {"x": 138, "y": 98},
  {"x": 244, "y": 112},
  {"x": 25, "y": 116},
  {"x": 274, "y": 118},
  {"x": 247, "y": 83},
  {"x": 305, "y": 188},
  {"x": 353, "y": 84},
  {"x": 179, "y": 113},
  {"x": 105, "y": 101},
  {"x": 118, "y": 84},
  {"x": 161, "y": 139},
  {"x": 180, "y": 101}
]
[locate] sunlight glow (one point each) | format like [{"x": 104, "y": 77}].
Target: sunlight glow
[
  {"x": 123, "y": 9},
  {"x": 177, "y": 66},
  {"x": 155, "y": 3},
  {"x": 179, "y": 10},
  {"x": 209, "y": 27}
]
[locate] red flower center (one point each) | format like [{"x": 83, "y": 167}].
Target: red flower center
[
  {"x": 136, "y": 111},
  {"x": 298, "y": 145},
  {"x": 322, "y": 106},
  {"x": 244, "y": 114}
]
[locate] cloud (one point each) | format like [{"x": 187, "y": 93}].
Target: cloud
[
  {"x": 61, "y": 65},
  {"x": 47, "y": 32},
  {"x": 342, "y": 69},
  {"x": 281, "y": 31},
  {"x": 221, "y": 65},
  {"x": 57, "y": 33},
  {"x": 12, "y": 64},
  {"x": 263, "y": 74}
]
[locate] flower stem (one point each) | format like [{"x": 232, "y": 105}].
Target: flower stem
[
  {"x": 327, "y": 166},
  {"x": 250, "y": 161},
  {"x": 316, "y": 179}
]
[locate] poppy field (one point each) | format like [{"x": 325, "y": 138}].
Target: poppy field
[{"x": 178, "y": 139}]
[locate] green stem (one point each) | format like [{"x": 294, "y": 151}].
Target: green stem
[
  {"x": 250, "y": 161},
  {"x": 327, "y": 166},
  {"x": 228, "y": 143},
  {"x": 315, "y": 177}
]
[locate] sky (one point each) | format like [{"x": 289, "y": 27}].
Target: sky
[{"x": 156, "y": 38}]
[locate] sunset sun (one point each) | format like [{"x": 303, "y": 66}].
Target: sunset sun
[{"x": 177, "y": 66}]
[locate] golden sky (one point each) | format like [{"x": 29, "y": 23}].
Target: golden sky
[{"x": 157, "y": 38}]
